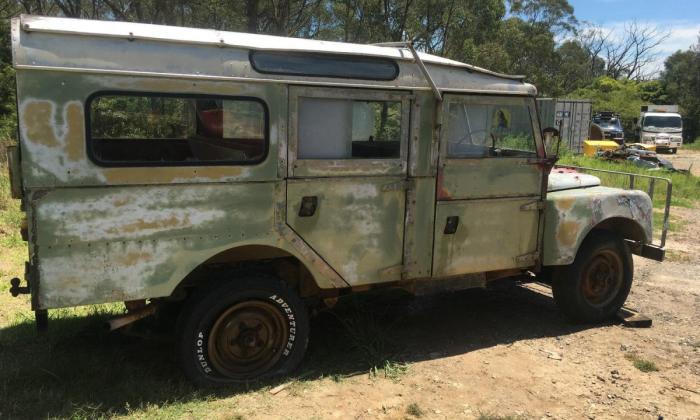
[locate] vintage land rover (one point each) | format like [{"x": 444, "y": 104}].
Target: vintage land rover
[{"x": 249, "y": 178}]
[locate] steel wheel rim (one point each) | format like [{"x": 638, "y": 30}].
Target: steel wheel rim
[
  {"x": 247, "y": 339},
  {"x": 602, "y": 278}
]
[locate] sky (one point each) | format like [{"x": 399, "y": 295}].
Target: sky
[{"x": 681, "y": 18}]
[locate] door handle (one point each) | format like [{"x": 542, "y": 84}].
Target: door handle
[
  {"x": 451, "y": 225},
  {"x": 308, "y": 206}
]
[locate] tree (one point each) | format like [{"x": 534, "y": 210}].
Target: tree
[
  {"x": 553, "y": 15},
  {"x": 627, "y": 54},
  {"x": 681, "y": 81},
  {"x": 621, "y": 96}
]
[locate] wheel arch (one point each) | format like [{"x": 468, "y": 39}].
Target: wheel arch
[
  {"x": 625, "y": 227},
  {"x": 259, "y": 257}
]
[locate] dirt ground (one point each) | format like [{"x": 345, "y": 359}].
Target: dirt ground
[
  {"x": 686, "y": 159},
  {"x": 509, "y": 353}
]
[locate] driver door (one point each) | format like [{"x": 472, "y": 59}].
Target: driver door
[{"x": 489, "y": 186}]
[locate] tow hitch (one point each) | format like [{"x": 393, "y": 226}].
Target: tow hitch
[{"x": 16, "y": 289}]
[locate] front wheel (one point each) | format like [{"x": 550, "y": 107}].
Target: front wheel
[
  {"x": 596, "y": 285},
  {"x": 241, "y": 328}
]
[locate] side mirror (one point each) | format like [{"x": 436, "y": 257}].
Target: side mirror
[{"x": 551, "y": 138}]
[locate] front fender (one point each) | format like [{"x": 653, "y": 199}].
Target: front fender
[{"x": 571, "y": 214}]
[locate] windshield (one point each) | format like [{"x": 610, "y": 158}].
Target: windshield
[
  {"x": 608, "y": 123},
  {"x": 662, "y": 122}
]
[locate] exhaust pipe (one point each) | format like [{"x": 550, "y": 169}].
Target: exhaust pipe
[{"x": 131, "y": 317}]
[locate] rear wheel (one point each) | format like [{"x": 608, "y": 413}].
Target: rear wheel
[
  {"x": 242, "y": 328},
  {"x": 596, "y": 285}
]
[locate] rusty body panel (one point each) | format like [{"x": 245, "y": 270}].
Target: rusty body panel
[
  {"x": 572, "y": 214},
  {"x": 103, "y": 233},
  {"x": 474, "y": 247}
]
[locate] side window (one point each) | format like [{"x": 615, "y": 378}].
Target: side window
[
  {"x": 349, "y": 129},
  {"x": 156, "y": 130},
  {"x": 489, "y": 130}
]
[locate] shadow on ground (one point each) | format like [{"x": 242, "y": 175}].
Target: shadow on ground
[{"x": 78, "y": 369}]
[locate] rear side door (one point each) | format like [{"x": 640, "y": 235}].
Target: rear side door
[
  {"x": 346, "y": 182},
  {"x": 489, "y": 185}
]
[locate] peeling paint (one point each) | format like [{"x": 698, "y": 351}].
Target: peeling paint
[
  {"x": 54, "y": 140},
  {"x": 571, "y": 214}
]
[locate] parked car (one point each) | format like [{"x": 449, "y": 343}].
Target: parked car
[
  {"x": 608, "y": 123},
  {"x": 246, "y": 178}
]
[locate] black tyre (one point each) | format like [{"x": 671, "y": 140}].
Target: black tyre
[
  {"x": 673, "y": 151},
  {"x": 596, "y": 285},
  {"x": 241, "y": 328}
]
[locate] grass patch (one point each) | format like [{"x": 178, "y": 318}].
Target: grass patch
[
  {"x": 686, "y": 187},
  {"x": 414, "y": 410},
  {"x": 643, "y": 365},
  {"x": 693, "y": 146},
  {"x": 678, "y": 256},
  {"x": 392, "y": 370}
]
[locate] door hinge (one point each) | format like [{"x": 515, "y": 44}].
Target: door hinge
[
  {"x": 534, "y": 205},
  {"x": 527, "y": 259}
]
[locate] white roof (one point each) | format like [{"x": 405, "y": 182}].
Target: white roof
[
  {"x": 144, "y": 31},
  {"x": 99, "y": 46},
  {"x": 661, "y": 114}
]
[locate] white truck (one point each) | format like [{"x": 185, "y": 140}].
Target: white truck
[{"x": 660, "y": 125}]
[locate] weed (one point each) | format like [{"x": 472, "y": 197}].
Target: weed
[
  {"x": 643, "y": 365},
  {"x": 414, "y": 410},
  {"x": 392, "y": 370}
]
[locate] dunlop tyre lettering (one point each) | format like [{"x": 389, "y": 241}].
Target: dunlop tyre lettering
[{"x": 280, "y": 343}]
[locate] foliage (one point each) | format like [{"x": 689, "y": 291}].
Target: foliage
[
  {"x": 621, "y": 96},
  {"x": 681, "y": 82},
  {"x": 541, "y": 39}
]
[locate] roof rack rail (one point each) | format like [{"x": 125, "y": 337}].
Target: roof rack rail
[{"x": 409, "y": 46}]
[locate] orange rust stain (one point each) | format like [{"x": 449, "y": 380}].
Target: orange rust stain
[
  {"x": 442, "y": 192},
  {"x": 75, "y": 141},
  {"x": 36, "y": 119},
  {"x": 132, "y": 258},
  {"x": 564, "y": 204},
  {"x": 568, "y": 232},
  {"x": 141, "y": 175},
  {"x": 119, "y": 202},
  {"x": 170, "y": 222}
]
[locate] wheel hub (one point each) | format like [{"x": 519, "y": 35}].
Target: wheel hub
[
  {"x": 246, "y": 339},
  {"x": 602, "y": 278}
]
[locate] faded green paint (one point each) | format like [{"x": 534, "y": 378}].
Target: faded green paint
[
  {"x": 491, "y": 235},
  {"x": 489, "y": 177},
  {"x": 111, "y": 234},
  {"x": 424, "y": 137},
  {"x": 52, "y": 128},
  {"x": 418, "y": 242},
  {"x": 357, "y": 226},
  {"x": 571, "y": 214}
]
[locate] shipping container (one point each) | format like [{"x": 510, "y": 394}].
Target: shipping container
[{"x": 571, "y": 117}]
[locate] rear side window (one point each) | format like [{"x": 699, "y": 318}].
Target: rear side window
[
  {"x": 324, "y": 65},
  {"x": 349, "y": 129},
  {"x": 158, "y": 130}
]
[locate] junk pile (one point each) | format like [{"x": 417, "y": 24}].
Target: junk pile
[{"x": 638, "y": 155}]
